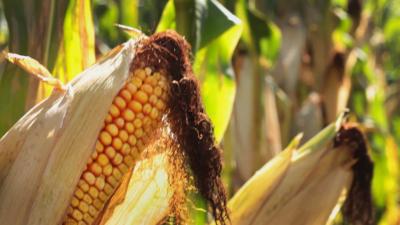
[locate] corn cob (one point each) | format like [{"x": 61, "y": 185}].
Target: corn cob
[{"x": 130, "y": 125}]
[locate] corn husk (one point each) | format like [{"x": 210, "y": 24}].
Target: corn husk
[
  {"x": 304, "y": 186},
  {"x": 43, "y": 155},
  {"x": 147, "y": 195}
]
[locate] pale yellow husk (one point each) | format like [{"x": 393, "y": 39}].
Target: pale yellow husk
[
  {"x": 298, "y": 186},
  {"x": 43, "y": 154},
  {"x": 147, "y": 197}
]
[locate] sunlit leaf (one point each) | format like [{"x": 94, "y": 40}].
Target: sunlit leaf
[{"x": 77, "y": 48}]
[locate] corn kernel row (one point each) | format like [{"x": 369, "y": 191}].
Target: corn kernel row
[{"x": 133, "y": 117}]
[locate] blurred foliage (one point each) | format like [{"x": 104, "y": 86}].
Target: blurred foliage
[{"x": 308, "y": 51}]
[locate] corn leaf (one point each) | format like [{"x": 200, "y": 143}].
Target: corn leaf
[
  {"x": 76, "y": 50},
  {"x": 34, "y": 31}
]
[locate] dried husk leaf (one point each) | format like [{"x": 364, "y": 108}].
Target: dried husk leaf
[
  {"x": 246, "y": 199},
  {"x": 35, "y": 68},
  {"x": 148, "y": 195},
  {"x": 43, "y": 155},
  {"x": 316, "y": 177},
  {"x": 302, "y": 181},
  {"x": 306, "y": 207}
]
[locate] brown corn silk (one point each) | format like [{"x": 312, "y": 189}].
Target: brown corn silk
[{"x": 92, "y": 126}]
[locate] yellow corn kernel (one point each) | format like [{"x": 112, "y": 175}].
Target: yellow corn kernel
[
  {"x": 105, "y": 138},
  {"x": 154, "y": 113},
  {"x": 114, "y": 111},
  {"x": 103, "y": 196},
  {"x": 139, "y": 133},
  {"x": 100, "y": 183},
  {"x": 117, "y": 143},
  {"x": 137, "y": 123},
  {"x": 131, "y": 88},
  {"x": 92, "y": 210},
  {"x": 87, "y": 199},
  {"x": 148, "y": 71},
  {"x": 108, "y": 189},
  {"x": 126, "y": 94},
  {"x": 158, "y": 91},
  {"x": 160, "y": 105},
  {"x": 132, "y": 140},
  {"x": 117, "y": 159},
  {"x": 112, "y": 129},
  {"x": 126, "y": 149},
  {"x": 140, "y": 116},
  {"x": 94, "y": 193},
  {"x": 136, "y": 81},
  {"x": 74, "y": 202},
  {"x": 128, "y": 160},
  {"x": 112, "y": 181},
  {"x": 147, "y": 88},
  {"x": 98, "y": 204},
  {"x": 141, "y": 97},
  {"x": 146, "y": 108},
  {"x": 123, "y": 168},
  {"x": 123, "y": 135},
  {"x": 83, "y": 206},
  {"x": 70, "y": 221},
  {"x": 110, "y": 152},
  {"x": 96, "y": 169},
  {"x": 87, "y": 218},
  {"x": 89, "y": 177},
  {"x": 99, "y": 146},
  {"x": 157, "y": 76},
  {"x": 107, "y": 170},
  {"x": 108, "y": 118},
  {"x": 135, "y": 153},
  {"x": 151, "y": 80},
  {"x": 153, "y": 99},
  {"x": 129, "y": 127},
  {"x": 128, "y": 115},
  {"x": 120, "y": 122},
  {"x": 116, "y": 173},
  {"x": 103, "y": 160},
  {"x": 146, "y": 121},
  {"x": 94, "y": 155},
  {"x": 140, "y": 73},
  {"x": 135, "y": 106},
  {"x": 77, "y": 215},
  {"x": 83, "y": 185},
  {"x": 120, "y": 102}
]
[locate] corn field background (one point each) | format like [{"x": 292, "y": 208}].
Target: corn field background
[{"x": 268, "y": 70}]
